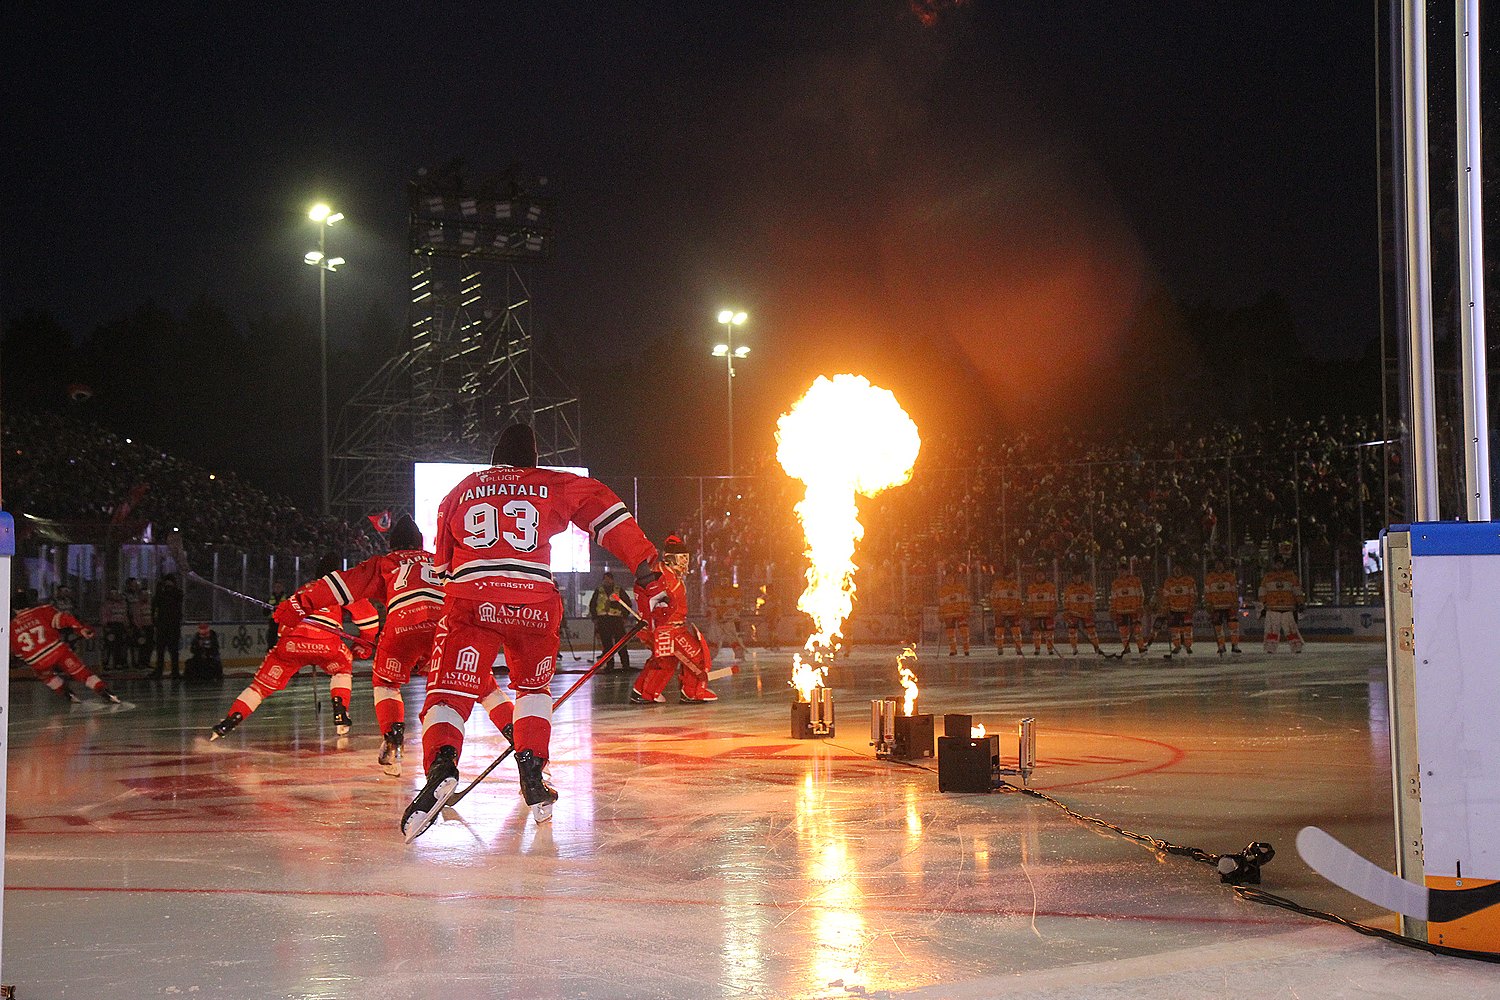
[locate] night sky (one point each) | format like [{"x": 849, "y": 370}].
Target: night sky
[{"x": 1007, "y": 181}]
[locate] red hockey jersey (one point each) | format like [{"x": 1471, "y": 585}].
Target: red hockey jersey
[
  {"x": 671, "y": 607},
  {"x": 403, "y": 581},
  {"x": 495, "y": 529},
  {"x": 330, "y": 621},
  {"x": 37, "y": 632}
]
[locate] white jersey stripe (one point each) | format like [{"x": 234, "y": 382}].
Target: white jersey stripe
[
  {"x": 336, "y": 582},
  {"x": 623, "y": 518},
  {"x": 605, "y": 518}
]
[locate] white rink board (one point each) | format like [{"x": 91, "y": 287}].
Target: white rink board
[{"x": 1457, "y": 602}]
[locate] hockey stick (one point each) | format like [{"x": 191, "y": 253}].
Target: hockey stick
[
  {"x": 179, "y": 558},
  {"x": 629, "y": 634},
  {"x": 705, "y": 675},
  {"x": 1367, "y": 880}
]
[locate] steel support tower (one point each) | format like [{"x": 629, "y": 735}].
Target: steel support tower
[{"x": 470, "y": 366}]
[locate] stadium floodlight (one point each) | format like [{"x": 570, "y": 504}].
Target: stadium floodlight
[
  {"x": 730, "y": 318},
  {"x": 324, "y": 216}
]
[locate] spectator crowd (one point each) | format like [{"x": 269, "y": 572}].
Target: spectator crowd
[
  {"x": 67, "y": 470},
  {"x": 1179, "y": 492}
]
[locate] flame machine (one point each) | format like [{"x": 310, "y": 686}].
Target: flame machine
[
  {"x": 844, "y": 439},
  {"x": 969, "y": 758}
]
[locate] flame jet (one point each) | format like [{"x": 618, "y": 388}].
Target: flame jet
[{"x": 844, "y": 439}]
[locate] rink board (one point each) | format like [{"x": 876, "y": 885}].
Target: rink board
[{"x": 1455, "y": 683}]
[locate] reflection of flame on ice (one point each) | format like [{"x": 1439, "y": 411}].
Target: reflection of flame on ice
[
  {"x": 845, "y": 438},
  {"x": 904, "y": 664},
  {"x": 977, "y": 731}
]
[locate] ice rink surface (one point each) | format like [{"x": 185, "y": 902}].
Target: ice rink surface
[{"x": 700, "y": 851}]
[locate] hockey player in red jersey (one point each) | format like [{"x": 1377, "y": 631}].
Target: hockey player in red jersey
[
  {"x": 675, "y": 642},
  {"x": 36, "y": 638},
  {"x": 317, "y": 640},
  {"x": 404, "y": 581},
  {"x": 494, "y": 551}
]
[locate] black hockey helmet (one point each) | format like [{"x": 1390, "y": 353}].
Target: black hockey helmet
[
  {"x": 674, "y": 546},
  {"x": 329, "y": 563},
  {"x": 516, "y": 446},
  {"x": 404, "y": 534}
]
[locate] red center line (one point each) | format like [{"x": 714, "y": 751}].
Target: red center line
[
  {"x": 1177, "y": 756},
  {"x": 488, "y": 897}
]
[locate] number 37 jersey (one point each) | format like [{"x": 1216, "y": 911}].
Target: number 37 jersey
[{"x": 495, "y": 529}]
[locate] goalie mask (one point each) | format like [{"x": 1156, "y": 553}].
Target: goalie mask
[{"x": 675, "y": 556}]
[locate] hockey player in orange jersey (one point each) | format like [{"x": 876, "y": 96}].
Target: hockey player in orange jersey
[
  {"x": 1281, "y": 604},
  {"x": 36, "y": 638},
  {"x": 1180, "y": 596},
  {"x": 316, "y": 640},
  {"x": 1041, "y": 608},
  {"x": 1127, "y": 606},
  {"x": 404, "y": 581},
  {"x": 1078, "y": 612},
  {"x": 1008, "y": 604},
  {"x": 1221, "y": 593},
  {"x": 676, "y": 644},
  {"x": 954, "y": 609},
  {"x": 494, "y": 550}
]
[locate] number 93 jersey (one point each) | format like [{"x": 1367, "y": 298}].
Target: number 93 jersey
[{"x": 495, "y": 530}]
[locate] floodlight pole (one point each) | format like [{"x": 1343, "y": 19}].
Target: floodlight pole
[
  {"x": 729, "y": 386},
  {"x": 730, "y": 318},
  {"x": 323, "y": 347}
]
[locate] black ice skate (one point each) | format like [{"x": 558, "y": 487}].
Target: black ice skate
[
  {"x": 636, "y": 698},
  {"x": 1235, "y": 649},
  {"x": 341, "y": 721},
  {"x": 390, "y": 749},
  {"x": 224, "y": 726},
  {"x": 535, "y": 789},
  {"x": 108, "y": 697},
  {"x": 73, "y": 699},
  {"x": 442, "y": 782}
]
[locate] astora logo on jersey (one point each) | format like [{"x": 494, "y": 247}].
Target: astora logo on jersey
[
  {"x": 468, "y": 659},
  {"x": 512, "y": 614}
]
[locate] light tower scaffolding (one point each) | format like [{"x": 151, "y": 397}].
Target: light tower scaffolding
[{"x": 470, "y": 366}]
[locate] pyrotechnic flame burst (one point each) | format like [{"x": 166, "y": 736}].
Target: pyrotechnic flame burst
[
  {"x": 975, "y": 732},
  {"x": 904, "y": 670},
  {"x": 845, "y": 438}
]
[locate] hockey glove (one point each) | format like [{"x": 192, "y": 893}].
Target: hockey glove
[
  {"x": 652, "y": 587},
  {"x": 86, "y": 632},
  {"x": 364, "y": 649},
  {"x": 647, "y": 573},
  {"x": 288, "y": 613}
]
